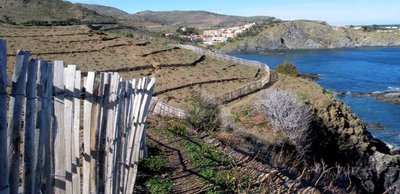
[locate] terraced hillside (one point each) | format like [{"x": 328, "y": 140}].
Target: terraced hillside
[{"x": 178, "y": 71}]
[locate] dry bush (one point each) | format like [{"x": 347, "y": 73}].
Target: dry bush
[
  {"x": 228, "y": 138},
  {"x": 204, "y": 113},
  {"x": 226, "y": 121},
  {"x": 286, "y": 114},
  {"x": 332, "y": 179}
]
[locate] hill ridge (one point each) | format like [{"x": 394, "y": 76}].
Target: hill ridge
[{"x": 21, "y": 11}]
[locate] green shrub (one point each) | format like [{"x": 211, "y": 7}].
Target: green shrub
[
  {"x": 204, "y": 113},
  {"x": 288, "y": 68},
  {"x": 154, "y": 164},
  {"x": 159, "y": 185}
]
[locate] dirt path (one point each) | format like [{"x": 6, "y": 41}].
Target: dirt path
[{"x": 186, "y": 179}]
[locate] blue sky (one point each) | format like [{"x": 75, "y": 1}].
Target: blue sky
[{"x": 336, "y": 12}]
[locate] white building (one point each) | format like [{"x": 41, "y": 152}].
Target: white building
[{"x": 212, "y": 37}]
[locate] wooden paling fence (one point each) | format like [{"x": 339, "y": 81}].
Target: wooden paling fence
[
  {"x": 72, "y": 139},
  {"x": 160, "y": 108}
]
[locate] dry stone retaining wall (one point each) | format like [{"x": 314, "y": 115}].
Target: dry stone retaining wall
[
  {"x": 166, "y": 110},
  {"x": 224, "y": 57}
]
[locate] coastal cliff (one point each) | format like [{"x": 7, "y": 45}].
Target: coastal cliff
[
  {"x": 309, "y": 35},
  {"x": 340, "y": 138},
  {"x": 344, "y": 139}
]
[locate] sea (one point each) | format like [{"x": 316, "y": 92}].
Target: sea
[{"x": 352, "y": 71}]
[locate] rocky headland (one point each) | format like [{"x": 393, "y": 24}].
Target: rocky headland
[
  {"x": 301, "y": 34},
  {"x": 344, "y": 138},
  {"x": 341, "y": 138}
]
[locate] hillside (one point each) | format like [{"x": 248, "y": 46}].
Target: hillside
[
  {"x": 163, "y": 20},
  {"x": 197, "y": 18},
  {"x": 309, "y": 35},
  {"x": 105, "y": 10},
  {"x": 20, "y": 11}
]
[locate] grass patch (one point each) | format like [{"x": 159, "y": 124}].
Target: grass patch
[
  {"x": 159, "y": 185},
  {"x": 329, "y": 94},
  {"x": 152, "y": 172},
  {"x": 154, "y": 164}
]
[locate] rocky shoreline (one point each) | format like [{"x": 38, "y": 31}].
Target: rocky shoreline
[{"x": 375, "y": 164}]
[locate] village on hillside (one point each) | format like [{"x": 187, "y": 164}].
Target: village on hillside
[{"x": 212, "y": 37}]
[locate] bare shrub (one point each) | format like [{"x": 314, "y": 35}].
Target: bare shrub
[
  {"x": 286, "y": 114},
  {"x": 332, "y": 179}
]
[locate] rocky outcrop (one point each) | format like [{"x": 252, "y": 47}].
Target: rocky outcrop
[
  {"x": 342, "y": 138},
  {"x": 310, "y": 35}
]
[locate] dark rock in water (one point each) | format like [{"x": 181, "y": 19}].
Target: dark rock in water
[
  {"x": 390, "y": 97},
  {"x": 376, "y": 126},
  {"x": 310, "y": 76},
  {"x": 341, "y": 94}
]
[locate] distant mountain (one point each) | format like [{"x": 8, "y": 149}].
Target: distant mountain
[
  {"x": 105, "y": 10},
  {"x": 197, "y": 18},
  {"x": 20, "y": 11},
  {"x": 202, "y": 19}
]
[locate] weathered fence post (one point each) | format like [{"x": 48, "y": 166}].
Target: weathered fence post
[
  {"x": 102, "y": 133},
  {"x": 69, "y": 81},
  {"x": 43, "y": 125},
  {"x": 127, "y": 122},
  {"x": 93, "y": 136},
  {"x": 4, "y": 186},
  {"x": 89, "y": 84},
  {"x": 29, "y": 140},
  {"x": 96, "y": 160},
  {"x": 58, "y": 129},
  {"x": 95, "y": 130},
  {"x": 14, "y": 121},
  {"x": 76, "y": 128},
  {"x": 118, "y": 136},
  {"x": 111, "y": 132}
]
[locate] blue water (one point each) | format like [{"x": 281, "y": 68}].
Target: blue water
[{"x": 352, "y": 70}]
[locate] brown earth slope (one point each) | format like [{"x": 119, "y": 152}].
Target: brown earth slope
[{"x": 178, "y": 72}]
